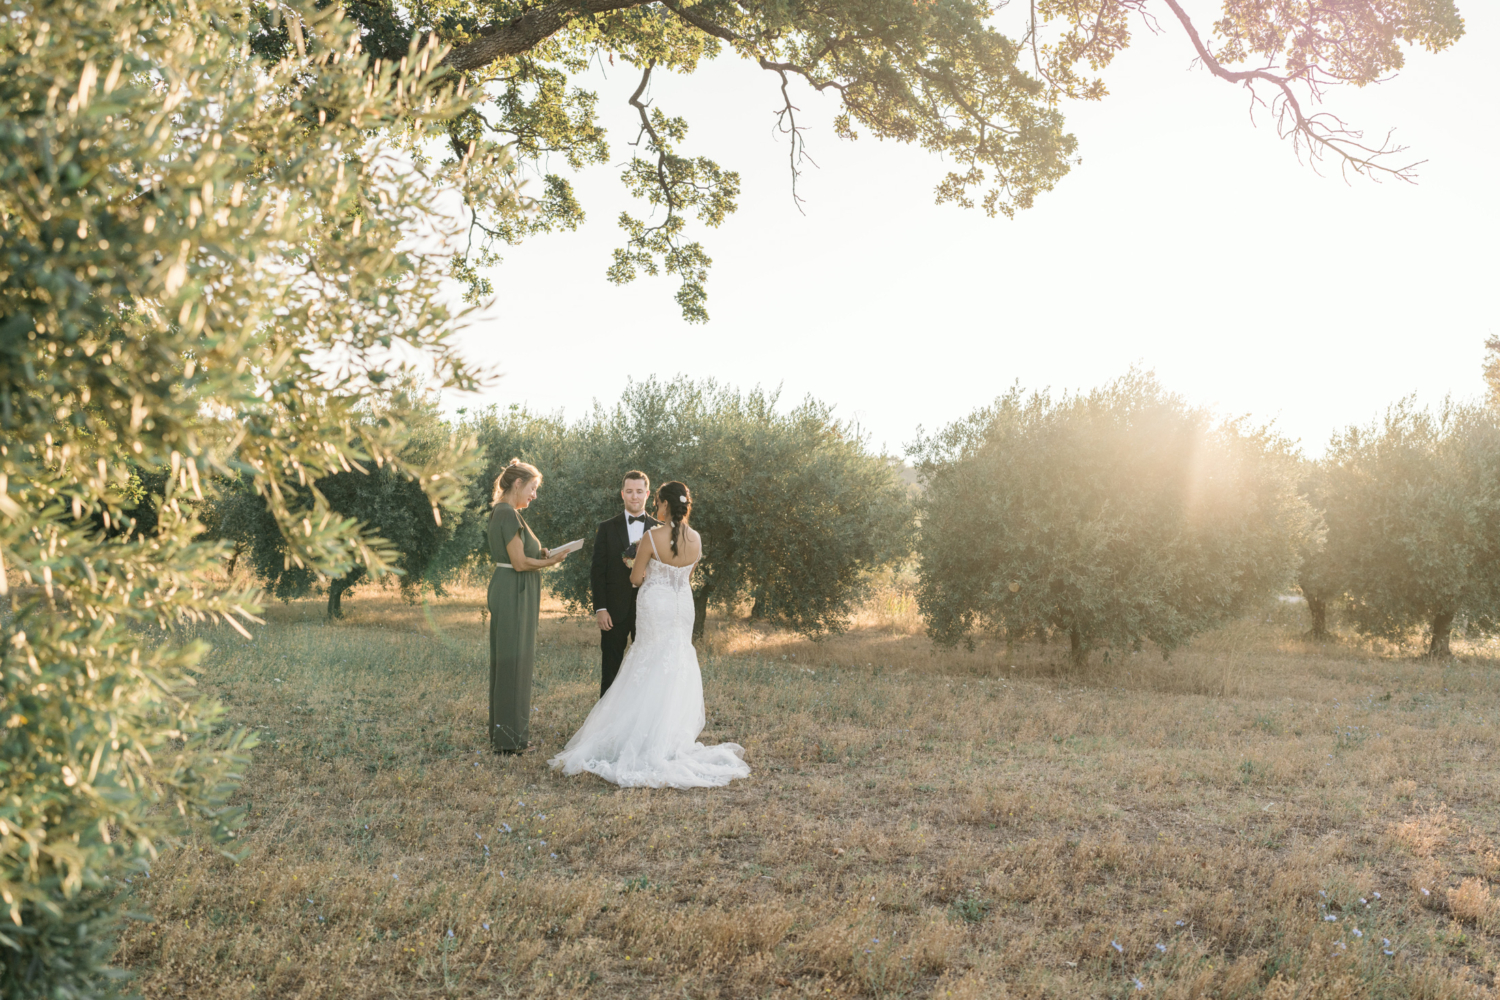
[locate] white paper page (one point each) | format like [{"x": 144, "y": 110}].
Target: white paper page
[{"x": 572, "y": 546}]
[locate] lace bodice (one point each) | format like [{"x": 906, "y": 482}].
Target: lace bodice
[
  {"x": 660, "y": 573},
  {"x": 664, "y": 604}
]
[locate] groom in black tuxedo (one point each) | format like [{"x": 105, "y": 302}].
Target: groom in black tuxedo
[{"x": 614, "y": 597}]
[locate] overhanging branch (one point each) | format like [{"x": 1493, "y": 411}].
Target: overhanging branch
[
  {"x": 786, "y": 116},
  {"x": 1321, "y": 132},
  {"x": 526, "y": 32},
  {"x": 647, "y": 129}
]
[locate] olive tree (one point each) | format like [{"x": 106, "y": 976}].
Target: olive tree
[
  {"x": 1110, "y": 517},
  {"x": 1412, "y": 503},
  {"x": 792, "y": 504},
  {"x": 207, "y": 268},
  {"x": 423, "y": 535}
]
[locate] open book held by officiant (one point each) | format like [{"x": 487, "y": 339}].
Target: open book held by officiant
[{"x": 565, "y": 548}]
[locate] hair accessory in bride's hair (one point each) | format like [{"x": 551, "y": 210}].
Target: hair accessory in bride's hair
[{"x": 682, "y": 499}]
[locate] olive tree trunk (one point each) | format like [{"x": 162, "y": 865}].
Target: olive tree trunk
[
  {"x": 339, "y": 587},
  {"x": 1078, "y": 651},
  {"x": 1318, "y": 608},
  {"x": 1442, "y": 627},
  {"x": 700, "y": 611}
]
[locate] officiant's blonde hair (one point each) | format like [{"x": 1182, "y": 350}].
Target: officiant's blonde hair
[{"x": 516, "y": 471}]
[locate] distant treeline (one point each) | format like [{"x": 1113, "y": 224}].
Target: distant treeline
[
  {"x": 1108, "y": 519},
  {"x": 794, "y": 503},
  {"x": 1124, "y": 515}
]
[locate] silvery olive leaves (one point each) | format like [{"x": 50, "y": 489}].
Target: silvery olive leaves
[
  {"x": 211, "y": 269},
  {"x": 1111, "y": 519}
]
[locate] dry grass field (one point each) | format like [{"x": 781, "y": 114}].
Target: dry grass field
[{"x": 1255, "y": 817}]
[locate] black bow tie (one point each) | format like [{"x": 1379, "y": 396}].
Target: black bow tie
[{"x": 632, "y": 518}]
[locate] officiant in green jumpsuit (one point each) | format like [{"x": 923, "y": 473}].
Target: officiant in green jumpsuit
[{"x": 515, "y": 601}]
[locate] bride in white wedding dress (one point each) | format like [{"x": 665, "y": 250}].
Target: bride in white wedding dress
[{"x": 644, "y": 731}]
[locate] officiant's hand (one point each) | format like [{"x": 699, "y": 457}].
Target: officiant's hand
[
  {"x": 551, "y": 560},
  {"x": 605, "y": 621}
]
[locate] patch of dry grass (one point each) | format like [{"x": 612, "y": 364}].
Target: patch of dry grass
[{"x": 956, "y": 824}]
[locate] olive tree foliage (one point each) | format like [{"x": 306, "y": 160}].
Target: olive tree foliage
[
  {"x": 201, "y": 272},
  {"x": 1412, "y": 503},
  {"x": 1492, "y": 369},
  {"x": 978, "y": 83},
  {"x": 792, "y": 505},
  {"x": 384, "y": 499},
  {"x": 1112, "y": 517}
]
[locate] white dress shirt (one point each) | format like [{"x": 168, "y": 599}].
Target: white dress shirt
[{"x": 635, "y": 529}]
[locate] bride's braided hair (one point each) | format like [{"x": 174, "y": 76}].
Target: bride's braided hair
[{"x": 675, "y": 499}]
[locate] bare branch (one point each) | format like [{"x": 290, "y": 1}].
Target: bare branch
[
  {"x": 786, "y": 116},
  {"x": 1321, "y": 132}
]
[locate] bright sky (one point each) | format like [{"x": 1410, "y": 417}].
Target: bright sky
[{"x": 1188, "y": 241}]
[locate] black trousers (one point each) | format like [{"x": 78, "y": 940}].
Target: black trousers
[{"x": 612, "y": 644}]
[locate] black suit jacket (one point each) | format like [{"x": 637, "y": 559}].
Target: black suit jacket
[{"x": 609, "y": 575}]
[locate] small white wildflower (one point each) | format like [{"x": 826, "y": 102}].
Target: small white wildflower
[
  {"x": 1376, "y": 895},
  {"x": 486, "y": 926},
  {"x": 1116, "y": 946},
  {"x": 1426, "y": 893},
  {"x": 1330, "y": 918},
  {"x": 1385, "y": 942},
  {"x": 1160, "y": 947},
  {"x": 1182, "y": 923},
  {"x": 1358, "y": 933}
]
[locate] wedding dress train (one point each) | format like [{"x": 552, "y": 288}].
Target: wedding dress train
[{"x": 644, "y": 731}]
